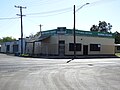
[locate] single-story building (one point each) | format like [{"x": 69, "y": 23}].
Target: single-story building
[
  {"x": 60, "y": 42},
  {"x": 12, "y": 47}
]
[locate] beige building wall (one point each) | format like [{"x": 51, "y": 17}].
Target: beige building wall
[
  {"x": 29, "y": 48},
  {"x": 107, "y": 44},
  {"x": 51, "y": 45},
  {"x": 37, "y": 47}
]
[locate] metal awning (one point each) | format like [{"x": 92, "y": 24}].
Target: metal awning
[{"x": 41, "y": 38}]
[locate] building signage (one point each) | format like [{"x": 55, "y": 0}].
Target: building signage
[
  {"x": 62, "y": 31},
  {"x": 102, "y": 34},
  {"x": 93, "y": 33}
]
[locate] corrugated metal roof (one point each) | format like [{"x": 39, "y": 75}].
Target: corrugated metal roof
[{"x": 42, "y": 37}]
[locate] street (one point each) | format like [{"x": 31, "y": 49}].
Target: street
[{"x": 18, "y": 73}]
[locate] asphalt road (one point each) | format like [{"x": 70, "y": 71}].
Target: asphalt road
[{"x": 17, "y": 73}]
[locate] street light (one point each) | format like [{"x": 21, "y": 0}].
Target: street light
[{"x": 74, "y": 27}]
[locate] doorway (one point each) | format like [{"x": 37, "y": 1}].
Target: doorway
[
  {"x": 85, "y": 49},
  {"x": 61, "y": 47},
  {"x": 8, "y": 49},
  {"x": 15, "y": 48}
]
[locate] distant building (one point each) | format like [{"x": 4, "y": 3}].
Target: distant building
[
  {"x": 59, "y": 42},
  {"x": 117, "y": 48},
  {"x": 12, "y": 47}
]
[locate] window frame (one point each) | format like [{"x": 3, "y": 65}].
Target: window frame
[
  {"x": 78, "y": 46},
  {"x": 95, "y": 47}
]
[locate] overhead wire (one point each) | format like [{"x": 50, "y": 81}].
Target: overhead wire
[
  {"x": 55, "y": 12},
  {"x": 8, "y": 26},
  {"x": 9, "y": 18},
  {"x": 51, "y": 14}
]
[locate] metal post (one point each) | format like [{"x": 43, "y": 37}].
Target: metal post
[
  {"x": 33, "y": 50},
  {"x": 21, "y": 31},
  {"x": 74, "y": 36},
  {"x": 40, "y": 29},
  {"x": 21, "y": 26},
  {"x": 75, "y": 27},
  {"x": 74, "y": 33}
]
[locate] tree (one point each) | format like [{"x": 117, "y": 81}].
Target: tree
[
  {"x": 31, "y": 35},
  {"x": 7, "y": 39},
  {"x": 117, "y": 37},
  {"x": 101, "y": 27},
  {"x": 34, "y": 35},
  {"x": 37, "y": 34},
  {"x": 94, "y": 28}
]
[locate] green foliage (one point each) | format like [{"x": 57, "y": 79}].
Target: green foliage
[
  {"x": 117, "y": 37},
  {"x": 7, "y": 39},
  {"x": 24, "y": 55},
  {"x": 101, "y": 27},
  {"x": 117, "y": 54},
  {"x": 34, "y": 35},
  {"x": 37, "y": 34}
]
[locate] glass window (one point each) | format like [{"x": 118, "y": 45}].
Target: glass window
[
  {"x": 71, "y": 46},
  {"x": 78, "y": 47},
  {"x": 95, "y": 47}
]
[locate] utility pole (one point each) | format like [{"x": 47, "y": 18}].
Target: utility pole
[
  {"x": 40, "y": 28},
  {"x": 74, "y": 35},
  {"x": 21, "y": 15}
]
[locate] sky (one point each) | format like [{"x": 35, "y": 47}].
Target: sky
[{"x": 56, "y": 13}]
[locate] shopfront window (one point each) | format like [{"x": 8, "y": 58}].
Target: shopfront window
[
  {"x": 95, "y": 47},
  {"x": 71, "y": 46}
]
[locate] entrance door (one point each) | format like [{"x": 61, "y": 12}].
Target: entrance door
[
  {"x": 15, "y": 48},
  {"x": 85, "y": 49},
  {"x": 61, "y": 48},
  {"x": 8, "y": 49}
]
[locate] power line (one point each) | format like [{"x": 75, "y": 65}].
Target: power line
[
  {"x": 9, "y": 18},
  {"x": 51, "y": 14},
  {"x": 54, "y": 11},
  {"x": 57, "y": 12}
]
